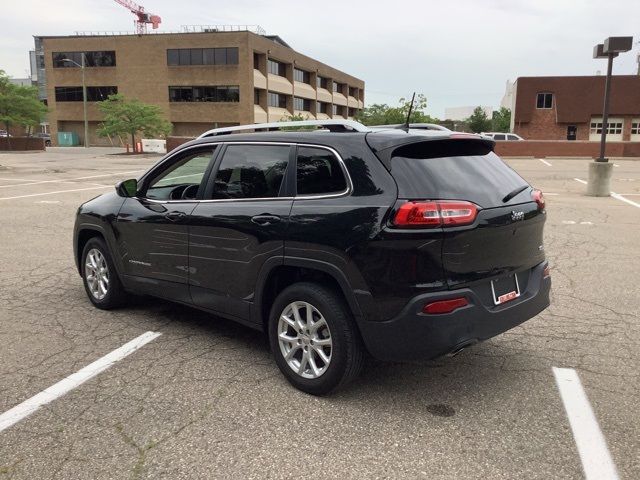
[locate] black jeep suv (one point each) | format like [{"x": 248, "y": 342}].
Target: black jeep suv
[{"x": 338, "y": 242}]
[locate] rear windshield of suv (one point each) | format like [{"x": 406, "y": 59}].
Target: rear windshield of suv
[{"x": 455, "y": 170}]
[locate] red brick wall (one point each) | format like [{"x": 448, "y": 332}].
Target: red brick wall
[
  {"x": 21, "y": 143},
  {"x": 550, "y": 148}
]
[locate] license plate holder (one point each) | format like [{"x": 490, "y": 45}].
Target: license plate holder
[{"x": 505, "y": 289}]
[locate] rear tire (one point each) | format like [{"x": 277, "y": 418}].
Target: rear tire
[
  {"x": 99, "y": 275},
  {"x": 314, "y": 339}
]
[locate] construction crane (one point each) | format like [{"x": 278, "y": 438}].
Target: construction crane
[{"x": 143, "y": 17}]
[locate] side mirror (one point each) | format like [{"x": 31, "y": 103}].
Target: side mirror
[{"x": 127, "y": 188}]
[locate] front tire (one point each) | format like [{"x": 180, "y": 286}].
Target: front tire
[
  {"x": 100, "y": 278},
  {"x": 314, "y": 339}
]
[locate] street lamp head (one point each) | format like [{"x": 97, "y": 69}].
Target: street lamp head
[
  {"x": 617, "y": 44},
  {"x": 598, "y": 51}
]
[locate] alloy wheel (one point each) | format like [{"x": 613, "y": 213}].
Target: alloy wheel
[
  {"x": 96, "y": 274},
  {"x": 305, "y": 339}
]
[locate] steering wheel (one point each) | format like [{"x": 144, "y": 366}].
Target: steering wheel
[{"x": 190, "y": 192}]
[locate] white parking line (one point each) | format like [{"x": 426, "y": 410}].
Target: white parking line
[
  {"x": 615, "y": 195},
  {"x": 592, "y": 446},
  {"x": 52, "y": 193},
  {"x": 63, "y": 180},
  {"x": 545, "y": 162},
  {"x": 64, "y": 386}
]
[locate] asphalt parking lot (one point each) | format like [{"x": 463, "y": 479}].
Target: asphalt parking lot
[{"x": 205, "y": 400}]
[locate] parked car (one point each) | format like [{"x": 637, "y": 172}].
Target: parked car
[
  {"x": 3, "y": 133},
  {"x": 501, "y": 136},
  {"x": 403, "y": 245},
  {"x": 45, "y": 136}
]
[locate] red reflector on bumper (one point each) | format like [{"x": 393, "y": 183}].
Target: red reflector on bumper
[{"x": 445, "y": 306}]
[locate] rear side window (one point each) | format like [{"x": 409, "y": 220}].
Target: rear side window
[
  {"x": 455, "y": 170},
  {"x": 318, "y": 172},
  {"x": 251, "y": 171},
  {"x": 498, "y": 137}
]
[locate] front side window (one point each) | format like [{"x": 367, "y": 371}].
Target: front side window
[
  {"x": 251, "y": 171},
  {"x": 182, "y": 179},
  {"x": 318, "y": 172},
  {"x": 499, "y": 136},
  {"x": 544, "y": 100}
]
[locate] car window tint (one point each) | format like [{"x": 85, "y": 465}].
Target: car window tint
[
  {"x": 251, "y": 171},
  {"x": 498, "y": 137},
  {"x": 186, "y": 171},
  {"x": 512, "y": 137},
  {"x": 319, "y": 172}
]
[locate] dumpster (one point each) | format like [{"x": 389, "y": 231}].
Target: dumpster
[{"x": 68, "y": 139}]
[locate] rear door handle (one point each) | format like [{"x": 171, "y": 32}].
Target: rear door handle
[
  {"x": 265, "y": 219},
  {"x": 175, "y": 216}
]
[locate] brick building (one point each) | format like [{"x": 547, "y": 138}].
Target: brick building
[
  {"x": 570, "y": 108},
  {"x": 201, "y": 80}
]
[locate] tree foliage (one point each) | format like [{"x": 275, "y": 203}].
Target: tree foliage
[
  {"x": 501, "y": 120},
  {"x": 478, "y": 121},
  {"x": 19, "y": 105},
  {"x": 131, "y": 117},
  {"x": 298, "y": 117},
  {"x": 383, "y": 114}
]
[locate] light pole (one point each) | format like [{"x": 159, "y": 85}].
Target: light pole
[
  {"x": 599, "y": 184},
  {"x": 84, "y": 97}
]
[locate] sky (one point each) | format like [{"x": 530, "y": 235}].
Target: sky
[{"x": 457, "y": 53}]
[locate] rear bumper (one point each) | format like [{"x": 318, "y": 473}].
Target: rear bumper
[{"x": 415, "y": 335}]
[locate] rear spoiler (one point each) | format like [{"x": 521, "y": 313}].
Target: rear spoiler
[{"x": 455, "y": 144}]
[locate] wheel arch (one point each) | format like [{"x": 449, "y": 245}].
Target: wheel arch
[{"x": 277, "y": 275}]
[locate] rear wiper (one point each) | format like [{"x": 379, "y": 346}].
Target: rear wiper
[{"x": 510, "y": 195}]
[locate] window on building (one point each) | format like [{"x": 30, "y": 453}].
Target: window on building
[
  {"x": 635, "y": 127},
  {"x": 202, "y": 56},
  {"x": 102, "y": 58},
  {"x": 301, "y": 76},
  {"x": 256, "y": 96},
  {"x": 74, "y": 94},
  {"x": 352, "y": 112},
  {"x": 224, "y": 93},
  {"x": 321, "y": 82},
  {"x": 614, "y": 127},
  {"x": 256, "y": 61},
  {"x": 353, "y": 92},
  {"x": 322, "y": 107},
  {"x": 277, "y": 100},
  {"x": 301, "y": 104},
  {"x": 251, "y": 171},
  {"x": 544, "y": 100},
  {"x": 277, "y": 68},
  {"x": 336, "y": 86},
  {"x": 318, "y": 172},
  {"x": 337, "y": 110}
]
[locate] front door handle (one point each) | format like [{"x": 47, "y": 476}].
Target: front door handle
[
  {"x": 175, "y": 216},
  {"x": 265, "y": 219}
]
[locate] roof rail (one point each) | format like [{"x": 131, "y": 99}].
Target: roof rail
[{"x": 331, "y": 125}]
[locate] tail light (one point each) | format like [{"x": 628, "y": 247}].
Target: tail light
[
  {"x": 445, "y": 306},
  {"x": 440, "y": 213},
  {"x": 537, "y": 197}
]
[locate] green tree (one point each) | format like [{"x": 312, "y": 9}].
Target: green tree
[
  {"x": 501, "y": 121},
  {"x": 295, "y": 118},
  {"x": 383, "y": 114},
  {"x": 19, "y": 105},
  {"x": 478, "y": 121},
  {"x": 131, "y": 117}
]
